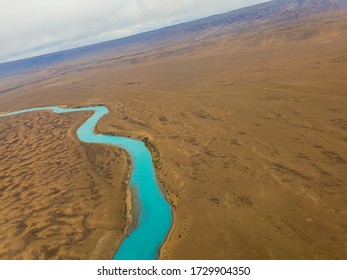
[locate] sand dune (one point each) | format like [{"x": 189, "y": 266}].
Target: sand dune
[{"x": 58, "y": 196}]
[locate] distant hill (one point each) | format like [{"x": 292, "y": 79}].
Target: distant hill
[{"x": 241, "y": 19}]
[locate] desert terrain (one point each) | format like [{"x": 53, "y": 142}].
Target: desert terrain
[
  {"x": 58, "y": 195},
  {"x": 247, "y": 123}
]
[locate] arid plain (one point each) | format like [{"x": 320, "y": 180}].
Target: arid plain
[
  {"x": 247, "y": 123},
  {"x": 57, "y": 194}
]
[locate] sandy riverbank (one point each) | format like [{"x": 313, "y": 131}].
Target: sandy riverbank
[{"x": 132, "y": 210}]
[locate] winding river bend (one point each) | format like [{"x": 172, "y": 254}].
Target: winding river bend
[{"x": 155, "y": 215}]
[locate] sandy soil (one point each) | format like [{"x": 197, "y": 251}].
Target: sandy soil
[
  {"x": 59, "y": 197},
  {"x": 250, "y": 130}
]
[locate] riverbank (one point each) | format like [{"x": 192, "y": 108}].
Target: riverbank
[
  {"x": 160, "y": 175},
  {"x": 131, "y": 199}
]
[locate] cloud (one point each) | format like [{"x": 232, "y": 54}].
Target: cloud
[{"x": 34, "y": 27}]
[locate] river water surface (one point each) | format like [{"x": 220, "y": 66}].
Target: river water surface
[{"x": 155, "y": 214}]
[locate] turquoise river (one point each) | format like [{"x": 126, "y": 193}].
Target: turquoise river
[{"x": 155, "y": 214}]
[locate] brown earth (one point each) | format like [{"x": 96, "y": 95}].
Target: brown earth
[
  {"x": 59, "y": 198},
  {"x": 250, "y": 125}
]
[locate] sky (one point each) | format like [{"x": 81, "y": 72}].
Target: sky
[{"x": 35, "y": 27}]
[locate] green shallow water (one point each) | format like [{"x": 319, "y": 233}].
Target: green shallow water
[{"x": 155, "y": 215}]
